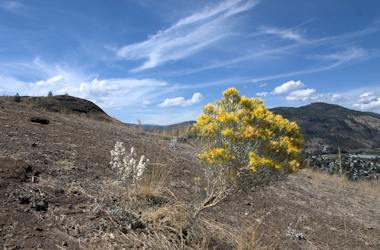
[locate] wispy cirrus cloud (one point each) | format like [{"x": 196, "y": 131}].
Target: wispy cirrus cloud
[
  {"x": 315, "y": 61},
  {"x": 11, "y": 6},
  {"x": 346, "y": 55},
  {"x": 186, "y": 37},
  {"x": 329, "y": 61},
  {"x": 288, "y": 34}
]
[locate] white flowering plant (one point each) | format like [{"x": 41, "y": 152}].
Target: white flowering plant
[
  {"x": 127, "y": 165},
  {"x": 130, "y": 171}
]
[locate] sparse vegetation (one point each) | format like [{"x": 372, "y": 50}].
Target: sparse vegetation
[
  {"x": 58, "y": 190},
  {"x": 17, "y": 98}
]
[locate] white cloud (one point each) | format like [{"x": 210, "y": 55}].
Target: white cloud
[
  {"x": 11, "y": 85},
  {"x": 108, "y": 92},
  {"x": 180, "y": 101},
  {"x": 53, "y": 81},
  {"x": 288, "y": 87},
  {"x": 145, "y": 103},
  {"x": 301, "y": 95},
  {"x": 367, "y": 101},
  {"x": 123, "y": 90},
  {"x": 188, "y": 36},
  {"x": 335, "y": 98},
  {"x": 367, "y": 98},
  {"x": 262, "y": 94}
]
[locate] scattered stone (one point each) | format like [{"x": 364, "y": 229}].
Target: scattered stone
[
  {"x": 305, "y": 217},
  {"x": 33, "y": 197},
  {"x": 294, "y": 234}
]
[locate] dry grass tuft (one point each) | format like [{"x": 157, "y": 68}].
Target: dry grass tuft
[
  {"x": 253, "y": 237},
  {"x": 360, "y": 186},
  {"x": 180, "y": 131}
]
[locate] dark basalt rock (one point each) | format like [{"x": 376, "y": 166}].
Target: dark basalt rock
[{"x": 40, "y": 120}]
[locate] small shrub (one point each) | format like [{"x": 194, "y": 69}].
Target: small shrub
[
  {"x": 130, "y": 172},
  {"x": 174, "y": 142},
  {"x": 17, "y": 98},
  {"x": 244, "y": 146},
  {"x": 50, "y": 94}
]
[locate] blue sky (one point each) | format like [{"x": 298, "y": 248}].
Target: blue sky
[{"x": 162, "y": 61}]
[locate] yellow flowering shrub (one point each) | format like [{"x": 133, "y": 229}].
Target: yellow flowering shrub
[{"x": 245, "y": 145}]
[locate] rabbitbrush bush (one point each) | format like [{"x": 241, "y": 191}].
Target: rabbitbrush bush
[{"x": 244, "y": 146}]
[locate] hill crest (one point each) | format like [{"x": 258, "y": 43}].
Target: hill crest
[
  {"x": 331, "y": 126},
  {"x": 66, "y": 104}
]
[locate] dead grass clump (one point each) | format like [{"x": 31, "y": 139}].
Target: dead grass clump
[
  {"x": 173, "y": 228},
  {"x": 167, "y": 224},
  {"x": 154, "y": 180},
  {"x": 254, "y": 237}
]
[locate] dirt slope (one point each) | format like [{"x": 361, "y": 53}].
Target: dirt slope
[{"x": 55, "y": 177}]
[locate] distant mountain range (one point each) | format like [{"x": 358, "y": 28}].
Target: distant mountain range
[
  {"x": 325, "y": 127},
  {"x": 152, "y": 127}
]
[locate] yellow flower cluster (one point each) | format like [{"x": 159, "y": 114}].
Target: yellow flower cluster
[
  {"x": 231, "y": 92},
  {"x": 239, "y": 130},
  {"x": 255, "y": 161},
  {"x": 216, "y": 155}
]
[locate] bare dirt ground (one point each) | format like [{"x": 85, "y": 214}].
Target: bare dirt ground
[{"x": 58, "y": 191}]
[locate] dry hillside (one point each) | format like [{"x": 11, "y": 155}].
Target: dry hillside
[
  {"x": 324, "y": 124},
  {"x": 58, "y": 191}
]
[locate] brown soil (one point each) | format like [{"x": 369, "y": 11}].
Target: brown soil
[{"x": 57, "y": 184}]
